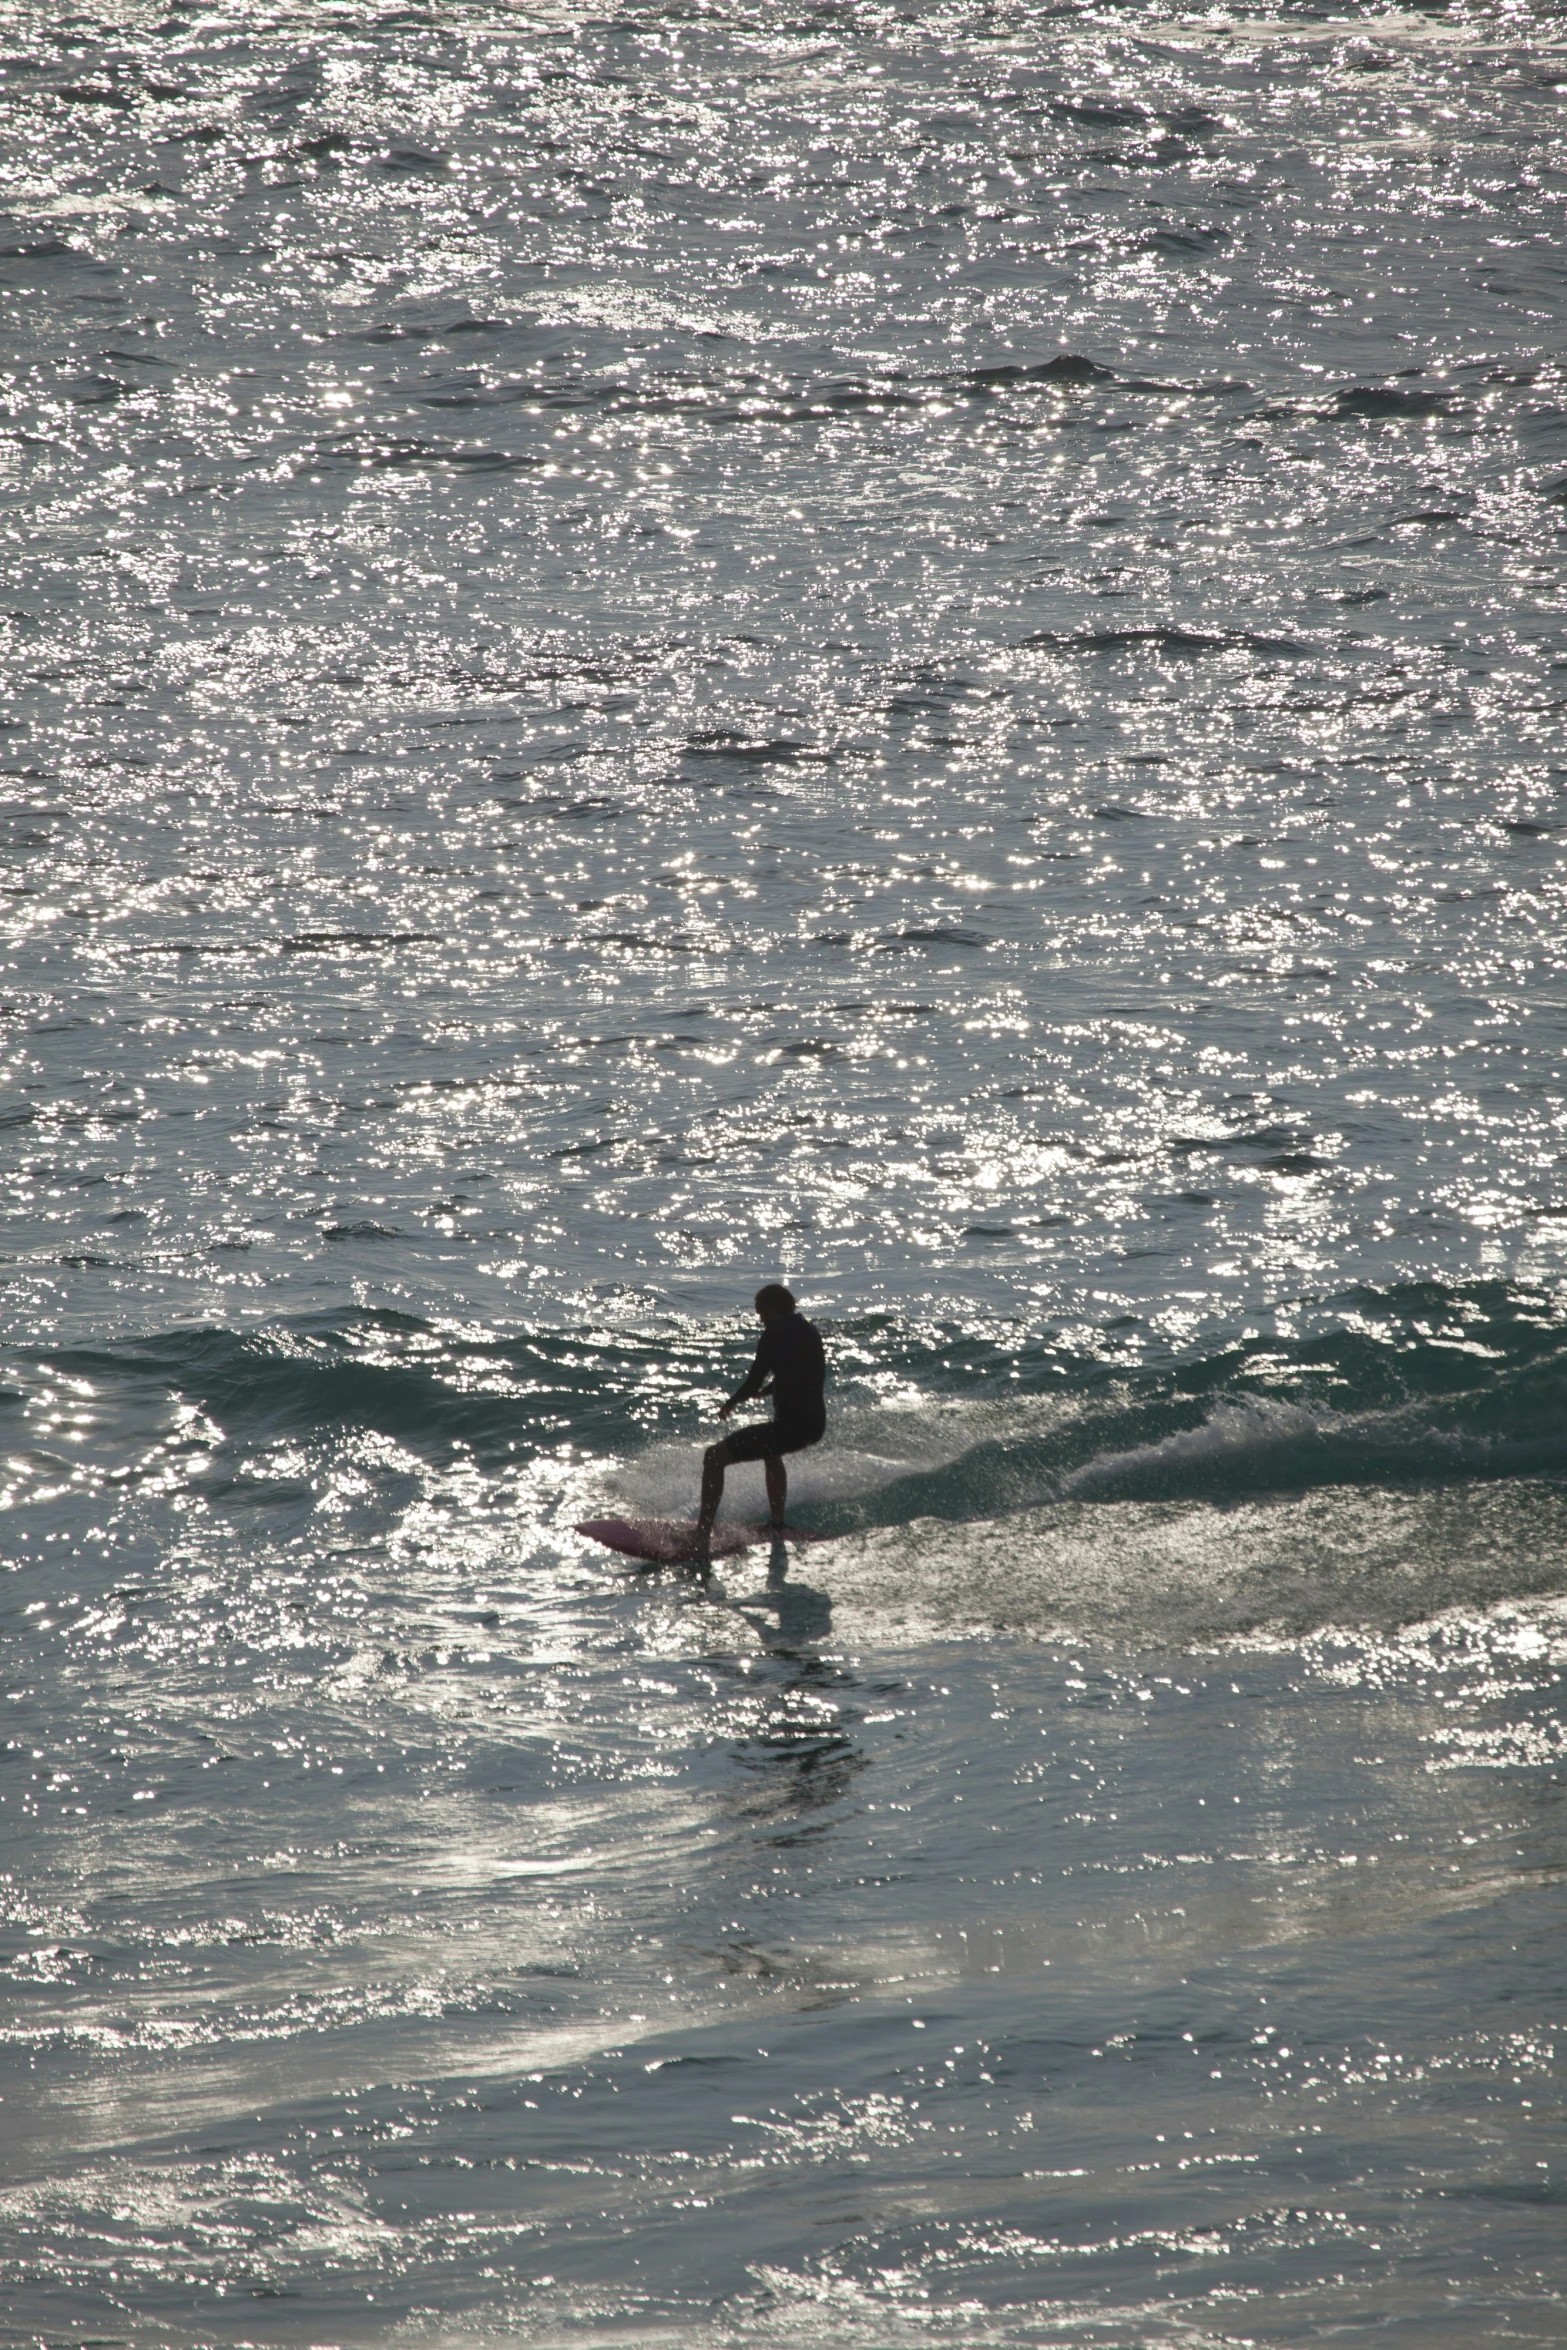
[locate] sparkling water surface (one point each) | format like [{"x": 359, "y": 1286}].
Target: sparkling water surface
[{"x": 916, "y": 648}]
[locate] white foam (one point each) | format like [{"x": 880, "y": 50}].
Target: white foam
[
  {"x": 865, "y": 1449},
  {"x": 664, "y": 1480},
  {"x": 1231, "y": 1430}
]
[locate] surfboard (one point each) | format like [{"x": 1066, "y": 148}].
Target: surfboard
[{"x": 671, "y": 1542}]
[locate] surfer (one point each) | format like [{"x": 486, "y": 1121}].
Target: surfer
[{"x": 790, "y": 1361}]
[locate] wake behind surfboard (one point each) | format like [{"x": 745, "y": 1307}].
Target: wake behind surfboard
[{"x": 672, "y": 1542}]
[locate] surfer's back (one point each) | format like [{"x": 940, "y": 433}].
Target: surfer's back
[{"x": 793, "y": 1355}]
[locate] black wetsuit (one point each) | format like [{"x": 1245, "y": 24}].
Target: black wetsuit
[{"x": 791, "y": 1361}]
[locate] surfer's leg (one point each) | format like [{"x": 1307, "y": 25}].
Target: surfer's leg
[
  {"x": 714, "y": 1462},
  {"x": 777, "y": 1487}
]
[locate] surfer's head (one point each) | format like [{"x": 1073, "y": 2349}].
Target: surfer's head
[{"x": 774, "y": 1302}]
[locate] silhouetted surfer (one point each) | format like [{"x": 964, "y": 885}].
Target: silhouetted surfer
[{"x": 790, "y": 1361}]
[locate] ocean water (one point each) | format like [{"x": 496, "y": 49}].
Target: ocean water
[{"x": 919, "y": 648}]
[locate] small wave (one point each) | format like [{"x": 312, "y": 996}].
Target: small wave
[
  {"x": 1232, "y": 1434},
  {"x": 1065, "y": 368},
  {"x": 1423, "y": 1386},
  {"x": 436, "y": 1393},
  {"x": 1261, "y": 1445}
]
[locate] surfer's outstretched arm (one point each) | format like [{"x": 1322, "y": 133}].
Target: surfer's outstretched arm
[{"x": 756, "y": 1380}]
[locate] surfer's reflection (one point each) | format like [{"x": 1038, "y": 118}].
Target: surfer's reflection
[{"x": 799, "y": 1615}]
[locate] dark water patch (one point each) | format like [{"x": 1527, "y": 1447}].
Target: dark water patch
[
  {"x": 83, "y": 94},
  {"x": 1251, "y": 1138},
  {"x": 804, "y": 1048},
  {"x": 386, "y": 454},
  {"x": 191, "y": 946},
  {"x": 332, "y": 942},
  {"x": 761, "y": 400},
  {"x": 1181, "y": 644},
  {"x": 1188, "y": 244},
  {"x": 1095, "y": 115},
  {"x": 255, "y": 1492},
  {"x": 643, "y": 942},
  {"x": 777, "y": 751},
  {"x": 935, "y": 934},
  {"x": 590, "y": 810},
  {"x": 853, "y": 398},
  {"x": 94, "y": 391},
  {"x": 1386, "y": 400},
  {"x": 1065, "y": 368},
  {"x": 416, "y": 159}
]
